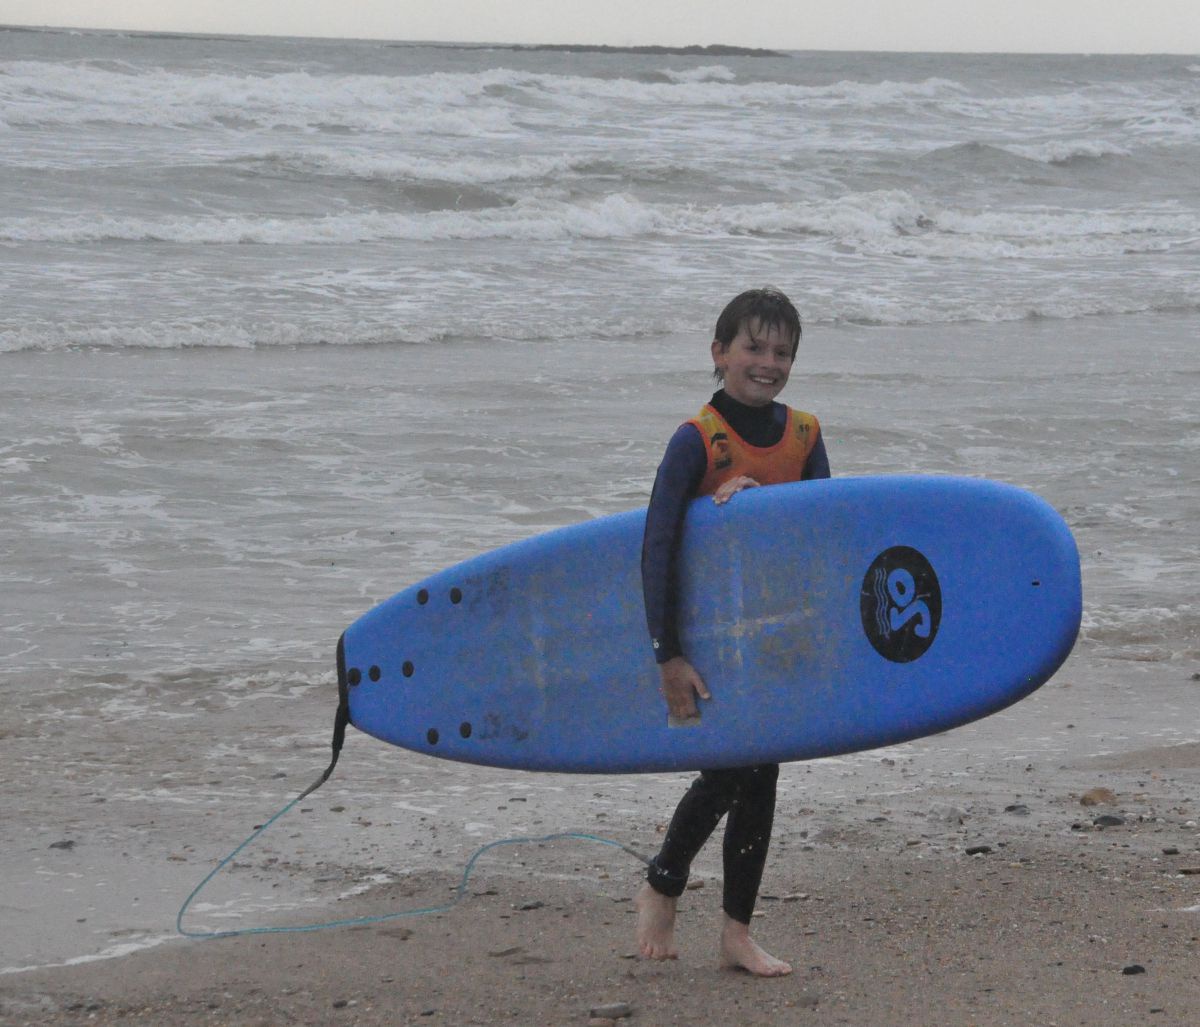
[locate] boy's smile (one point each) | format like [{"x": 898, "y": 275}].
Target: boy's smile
[{"x": 756, "y": 364}]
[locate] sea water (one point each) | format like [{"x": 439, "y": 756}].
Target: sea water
[{"x": 286, "y": 325}]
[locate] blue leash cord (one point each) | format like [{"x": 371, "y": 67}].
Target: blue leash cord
[
  {"x": 353, "y": 921},
  {"x": 339, "y": 731}
]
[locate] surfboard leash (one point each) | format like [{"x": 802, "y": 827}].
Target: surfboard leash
[{"x": 340, "y": 723}]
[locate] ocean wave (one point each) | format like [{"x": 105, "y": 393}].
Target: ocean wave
[
  {"x": 1059, "y": 152},
  {"x": 421, "y": 168},
  {"x": 708, "y": 73},
  {"x": 34, "y": 93},
  {"x": 886, "y": 222},
  {"x": 447, "y": 103},
  {"x": 442, "y": 326},
  {"x": 183, "y": 335},
  {"x": 1066, "y": 151}
]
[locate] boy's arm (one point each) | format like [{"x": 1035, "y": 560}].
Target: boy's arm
[
  {"x": 817, "y": 464},
  {"x": 679, "y": 476}
]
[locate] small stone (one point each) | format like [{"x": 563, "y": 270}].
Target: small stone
[
  {"x": 524, "y": 907},
  {"x": 978, "y": 850},
  {"x": 1170, "y": 850},
  {"x": 947, "y": 815},
  {"x": 611, "y": 1011},
  {"x": 1135, "y": 968},
  {"x": 695, "y": 884},
  {"x": 1098, "y": 797},
  {"x": 1017, "y": 809},
  {"x": 1190, "y": 871},
  {"x": 1108, "y": 820},
  {"x": 67, "y": 845}
]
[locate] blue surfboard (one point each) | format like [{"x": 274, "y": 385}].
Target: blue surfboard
[{"x": 826, "y": 617}]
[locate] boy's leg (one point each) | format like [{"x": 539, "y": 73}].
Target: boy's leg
[
  {"x": 747, "y": 840},
  {"x": 697, "y": 814}
]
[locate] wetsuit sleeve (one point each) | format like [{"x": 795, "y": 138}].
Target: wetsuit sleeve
[
  {"x": 817, "y": 464},
  {"x": 679, "y": 476}
]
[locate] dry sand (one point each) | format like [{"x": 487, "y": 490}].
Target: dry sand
[{"x": 884, "y": 906}]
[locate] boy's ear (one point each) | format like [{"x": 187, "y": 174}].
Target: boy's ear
[{"x": 717, "y": 352}]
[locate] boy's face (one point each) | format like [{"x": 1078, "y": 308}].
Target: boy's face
[{"x": 756, "y": 364}]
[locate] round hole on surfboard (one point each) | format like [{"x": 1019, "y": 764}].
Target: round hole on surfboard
[
  {"x": 432, "y": 736},
  {"x": 354, "y": 675},
  {"x": 456, "y": 595},
  {"x": 464, "y": 729},
  {"x": 408, "y": 668},
  {"x": 374, "y": 673},
  {"x": 423, "y": 596}
]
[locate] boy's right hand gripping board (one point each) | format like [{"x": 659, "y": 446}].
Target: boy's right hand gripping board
[{"x": 825, "y": 617}]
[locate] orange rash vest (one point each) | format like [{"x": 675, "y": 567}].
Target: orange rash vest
[{"x": 730, "y": 456}]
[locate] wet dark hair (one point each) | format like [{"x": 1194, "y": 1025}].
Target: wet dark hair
[{"x": 769, "y": 308}]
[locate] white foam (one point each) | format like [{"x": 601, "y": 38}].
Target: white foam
[{"x": 124, "y": 948}]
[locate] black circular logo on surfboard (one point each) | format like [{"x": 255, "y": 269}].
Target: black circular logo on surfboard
[{"x": 901, "y": 604}]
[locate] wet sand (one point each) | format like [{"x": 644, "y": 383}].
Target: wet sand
[{"x": 1000, "y": 895}]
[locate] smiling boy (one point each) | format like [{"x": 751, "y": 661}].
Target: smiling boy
[{"x": 742, "y": 438}]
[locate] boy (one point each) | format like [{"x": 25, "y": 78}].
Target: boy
[{"x": 741, "y": 439}]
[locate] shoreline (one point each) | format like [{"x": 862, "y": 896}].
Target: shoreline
[{"x": 1003, "y": 895}]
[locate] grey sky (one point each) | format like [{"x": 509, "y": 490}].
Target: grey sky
[{"x": 1074, "y": 26}]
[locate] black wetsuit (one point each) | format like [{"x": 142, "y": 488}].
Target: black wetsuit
[{"x": 745, "y": 794}]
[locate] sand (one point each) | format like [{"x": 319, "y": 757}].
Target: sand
[{"x": 997, "y": 896}]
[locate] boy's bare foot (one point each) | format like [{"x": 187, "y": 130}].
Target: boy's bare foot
[
  {"x": 655, "y": 924},
  {"x": 738, "y": 949}
]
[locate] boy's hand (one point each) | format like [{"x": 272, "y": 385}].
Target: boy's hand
[
  {"x": 681, "y": 683},
  {"x": 731, "y": 487}
]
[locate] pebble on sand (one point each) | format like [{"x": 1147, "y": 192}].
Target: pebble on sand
[{"x": 611, "y": 1011}]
